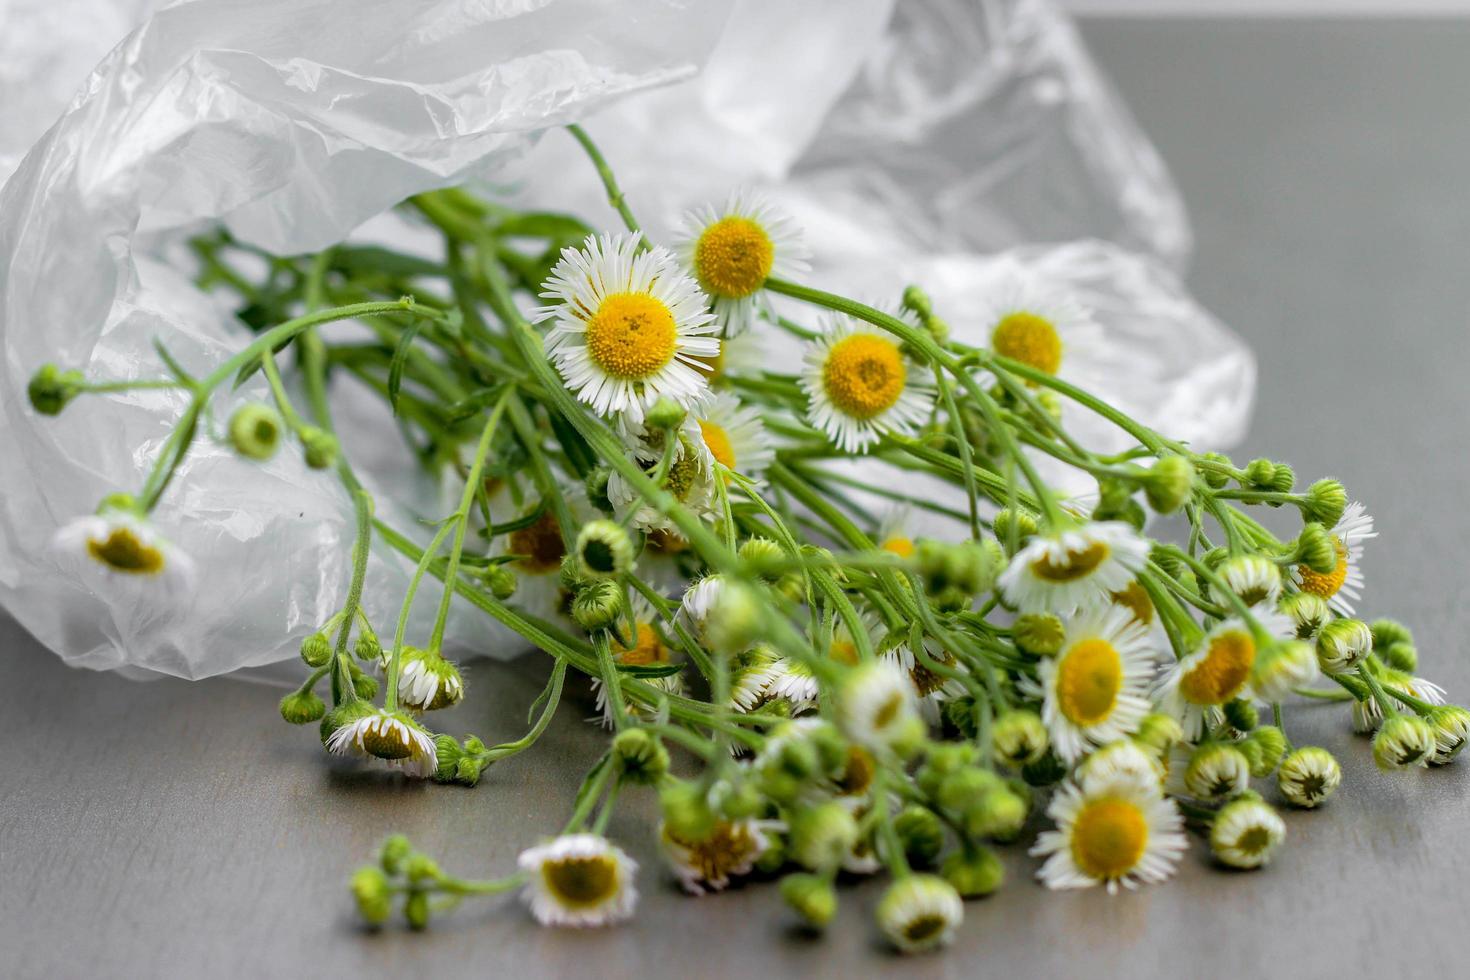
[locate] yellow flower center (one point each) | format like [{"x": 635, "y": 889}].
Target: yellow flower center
[
  {"x": 888, "y": 712},
  {"x": 1327, "y": 585},
  {"x": 539, "y": 545},
  {"x": 666, "y": 542},
  {"x": 1089, "y": 677},
  {"x": 1030, "y": 339},
  {"x": 864, "y": 375},
  {"x": 718, "y": 441},
  {"x": 900, "y": 546},
  {"x": 123, "y": 551},
  {"x": 844, "y": 652},
  {"x": 581, "y": 882},
  {"x": 729, "y": 849},
  {"x": 1136, "y": 600},
  {"x": 1070, "y": 566},
  {"x": 631, "y": 336},
  {"x": 646, "y": 649},
  {"x": 1223, "y": 670},
  {"x": 733, "y": 257},
  {"x": 857, "y": 776},
  {"x": 1108, "y": 838}
]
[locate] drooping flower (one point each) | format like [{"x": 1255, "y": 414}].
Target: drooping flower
[
  {"x": 579, "y": 880},
  {"x": 1308, "y": 776},
  {"x": 427, "y": 681},
  {"x": 733, "y": 250},
  {"x": 1068, "y": 570},
  {"x": 920, "y": 913},
  {"x": 391, "y": 736},
  {"x": 860, "y": 384},
  {"x": 630, "y": 326},
  {"x": 729, "y": 850},
  {"x": 119, "y": 551},
  {"x": 1342, "y": 586}
]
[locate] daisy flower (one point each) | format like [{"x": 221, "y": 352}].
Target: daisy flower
[
  {"x": 117, "y": 550},
  {"x": 730, "y": 850},
  {"x": 690, "y": 479},
  {"x": 751, "y": 674},
  {"x": 894, "y": 534},
  {"x": 540, "y": 547},
  {"x": 648, "y": 650},
  {"x": 793, "y": 679},
  {"x": 734, "y": 249},
  {"x": 1067, "y": 570},
  {"x": 699, "y": 601},
  {"x": 1246, "y": 832},
  {"x": 734, "y": 436},
  {"x": 1110, "y": 834},
  {"x": 1255, "y": 580},
  {"x": 920, "y": 912},
  {"x": 1193, "y": 689},
  {"x": 578, "y": 880},
  {"x": 859, "y": 385},
  {"x": 1037, "y": 325},
  {"x": 1367, "y": 715},
  {"x": 878, "y": 705},
  {"x": 428, "y": 682},
  {"x": 391, "y": 736},
  {"x": 1095, "y": 690},
  {"x": 1121, "y": 761},
  {"x": 1342, "y": 586},
  {"x": 931, "y": 687},
  {"x": 1308, "y": 776},
  {"x": 630, "y": 326}
]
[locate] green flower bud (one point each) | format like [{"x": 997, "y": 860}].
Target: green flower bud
[
  {"x": 1217, "y": 771},
  {"x": 1390, "y": 631},
  {"x": 686, "y": 811},
  {"x": 603, "y": 550},
  {"x": 761, "y": 553},
  {"x": 51, "y": 389},
  {"x": 367, "y": 648},
  {"x": 1282, "y": 666},
  {"x": 1168, "y": 484},
  {"x": 448, "y": 753},
  {"x": 1308, "y": 776},
  {"x": 1403, "y": 742},
  {"x": 811, "y": 897},
  {"x": 1401, "y": 656},
  {"x": 255, "y": 431},
  {"x": 1246, "y": 832},
  {"x": 974, "y": 871},
  {"x": 955, "y": 572},
  {"x": 640, "y": 756},
  {"x": 419, "y": 868},
  {"x": 342, "y": 715},
  {"x": 1316, "y": 549},
  {"x": 363, "y": 685},
  {"x": 1242, "y": 715},
  {"x": 1159, "y": 732},
  {"x": 736, "y": 620},
  {"x": 1040, "y": 633},
  {"x": 944, "y": 758},
  {"x": 1025, "y": 526},
  {"x": 920, "y": 913},
  {"x": 569, "y": 575},
  {"x": 742, "y": 801},
  {"x": 917, "y": 300},
  {"x": 1451, "y": 725},
  {"x": 416, "y": 910},
  {"x": 394, "y": 852},
  {"x": 468, "y": 769},
  {"x": 501, "y": 581},
  {"x": 1271, "y": 746},
  {"x": 1019, "y": 737},
  {"x": 370, "y": 890},
  {"x": 1342, "y": 644},
  {"x": 596, "y": 488},
  {"x": 597, "y": 605},
  {"x": 1308, "y": 611},
  {"x": 316, "y": 649},
  {"x": 1214, "y": 479},
  {"x": 961, "y": 790},
  {"x": 921, "y": 833},
  {"x": 302, "y": 707},
  {"x": 665, "y": 414},
  {"x": 1282, "y": 480},
  {"x": 822, "y": 835},
  {"x": 998, "y": 813},
  {"x": 958, "y": 714},
  {"x": 1326, "y": 500},
  {"x": 773, "y": 858},
  {"x": 321, "y": 447},
  {"x": 1259, "y": 473}
]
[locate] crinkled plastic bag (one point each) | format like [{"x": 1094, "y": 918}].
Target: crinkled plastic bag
[{"x": 295, "y": 121}]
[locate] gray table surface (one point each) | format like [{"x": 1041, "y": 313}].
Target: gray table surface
[{"x": 176, "y": 829}]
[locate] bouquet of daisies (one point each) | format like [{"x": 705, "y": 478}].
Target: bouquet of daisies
[{"x": 718, "y": 541}]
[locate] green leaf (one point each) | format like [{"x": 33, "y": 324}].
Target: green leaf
[
  {"x": 579, "y": 454},
  {"x": 646, "y": 671},
  {"x": 400, "y": 360}
]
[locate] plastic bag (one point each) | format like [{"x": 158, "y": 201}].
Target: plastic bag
[{"x": 294, "y": 121}]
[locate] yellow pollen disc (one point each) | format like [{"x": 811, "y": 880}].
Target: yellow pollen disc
[
  {"x": 864, "y": 375},
  {"x": 927, "y": 681},
  {"x": 1223, "y": 671},
  {"x": 1327, "y": 585},
  {"x": 540, "y": 544},
  {"x": 722, "y": 853},
  {"x": 581, "y": 882},
  {"x": 902, "y": 547},
  {"x": 631, "y": 336},
  {"x": 844, "y": 652},
  {"x": 646, "y": 649},
  {"x": 1071, "y": 565},
  {"x": 733, "y": 257},
  {"x": 885, "y": 715},
  {"x": 666, "y": 542},
  {"x": 1089, "y": 677},
  {"x": 682, "y": 474},
  {"x": 1030, "y": 339},
  {"x": 1108, "y": 838},
  {"x": 123, "y": 551},
  {"x": 718, "y": 441},
  {"x": 858, "y": 775},
  {"x": 1136, "y": 600}
]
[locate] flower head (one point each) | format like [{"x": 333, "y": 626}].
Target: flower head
[
  {"x": 860, "y": 384},
  {"x": 730, "y": 850},
  {"x": 1246, "y": 832},
  {"x": 734, "y": 249},
  {"x": 391, "y": 736},
  {"x": 1308, "y": 776},
  {"x": 427, "y": 681},
  {"x": 630, "y": 326},
  {"x": 1255, "y": 580},
  {"x": 1095, "y": 690},
  {"x": 1067, "y": 570},
  {"x": 1219, "y": 671},
  {"x": 579, "y": 880},
  {"x": 733, "y": 435},
  {"x": 920, "y": 913},
  {"x": 1342, "y": 586},
  {"x": 1110, "y": 833},
  {"x": 118, "y": 549},
  {"x": 878, "y": 705},
  {"x": 1037, "y": 325}
]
